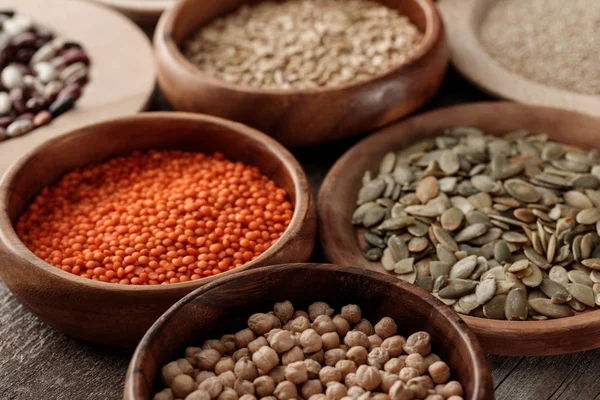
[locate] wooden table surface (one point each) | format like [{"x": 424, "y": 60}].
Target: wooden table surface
[{"x": 39, "y": 363}]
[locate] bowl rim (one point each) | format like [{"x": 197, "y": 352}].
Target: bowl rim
[
  {"x": 168, "y": 52},
  {"x": 453, "y": 321},
  {"x": 329, "y": 234},
  {"x": 142, "y": 6},
  {"x": 10, "y": 241}
]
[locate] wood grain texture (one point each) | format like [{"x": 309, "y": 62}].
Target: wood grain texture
[
  {"x": 338, "y": 193},
  {"x": 300, "y": 117},
  {"x": 144, "y": 12},
  {"x": 119, "y": 314},
  {"x": 463, "y": 19},
  {"x": 122, "y": 75},
  {"x": 224, "y": 307}
]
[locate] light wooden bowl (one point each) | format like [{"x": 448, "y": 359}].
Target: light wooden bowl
[
  {"x": 300, "y": 117},
  {"x": 336, "y": 203},
  {"x": 463, "y": 19},
  {"x": 120, "y": 314},
  {"x": 144, "y": 12},
  {"x": 224, "y": 307}
]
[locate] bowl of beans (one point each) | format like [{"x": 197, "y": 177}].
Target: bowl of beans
[
  {"x": 303, "y": 71},
  {"x": 107, "y": 226},
  {"x": 309, "y": 331}
]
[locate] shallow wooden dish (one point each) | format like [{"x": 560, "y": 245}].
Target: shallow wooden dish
[
  {"x": 120, "y": 314},
  {"x": 463, "y": 19},
  {"x": 339, "y": 190},
  {"x": 300, "y": 117},
  {"x": 224, "y": 307},
  {"x": 144, "y": 12},
  {"x": 122, "y": 74}
]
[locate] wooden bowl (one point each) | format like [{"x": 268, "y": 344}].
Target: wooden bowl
[
  {"x": 336, "y": 204},
  {"x": 463, "y": 19},
  {"x": 120, "y": 314},
  {"x": 144, "y": 12},
  {"x": 300, "y": 117},
  {"x": 224, "y": 307}
]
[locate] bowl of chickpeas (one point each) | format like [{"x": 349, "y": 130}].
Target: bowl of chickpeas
[
  {"x": 105, "y": 227},
  {"x": 309, "y": 331}
]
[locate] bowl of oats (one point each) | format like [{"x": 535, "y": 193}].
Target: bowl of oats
[{"x": 303, "y": 71}]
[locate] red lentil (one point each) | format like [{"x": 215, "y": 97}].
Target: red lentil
[{"x": 156, "y": 217}]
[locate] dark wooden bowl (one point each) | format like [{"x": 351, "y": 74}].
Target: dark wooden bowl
[
  {"x": 336, "y": 204},
  {"x": 224, "y": 307},
  {"x": 120, "y": 314},
  {"x": 300, "y": 117}
]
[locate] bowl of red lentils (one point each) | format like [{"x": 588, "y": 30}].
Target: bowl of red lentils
[
  {"x": 313, "y": 332},
  {"x": 105, "y": 227}
]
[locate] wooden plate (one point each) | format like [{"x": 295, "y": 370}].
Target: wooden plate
[
  {"x": 122, "y": 68},
  {"x": 337, "y": 199},
  {"x": 145, "y": 12},
  {"x": 462, "y": 19}
]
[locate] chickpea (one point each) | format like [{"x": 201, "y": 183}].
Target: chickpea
[
  {"x": 419, "y": 342},
  {"x": 293, "y": 355},
  {"x": 351, "y": 380},
  {"x": 214, "y": 345},
  {"x": 278, "y": 374},
  {"x": 329, "y": 374},
  {"x": 357, "y": 354},
  {"x": 346, "y": 398},
  {"x": 198, "y": 395},
  {"x": 375, "y": 341},
  {"x": 434, "y": 397},
  {"x": 204, "y": 375},
  {"x": 403, "y": 357},
  {"x": 190, "y": 352},
  {"x": 243, "y": 387},
  {"x": 245, "y": 369},
  {"x": 319, "y": 308},
  {"x": 207, "y": 359},
  {"x": 323, "y": 324},
  {"x": 439, "y": 372},
  {"x": 296, "y": 338},
  {"x": 296, "y": 372},
  {"x": 407, "y": 373},
  {"x": 356, "y": 338},
  {"x": 351, "y": 313},
  {"x": 264, "y": 386},
  {"x": 257, "y": 344},
  {"x": 212, "y": 385},
  {"x": 243, "y": 337},
  {"x": 386, "y": 327},
  {"x": 239, "y": 354},
  {"x": 227, "y": 379},
  {"x": 335, "y": 391},
  {"x": 311, "y": 387},
  {"x": 431, "y": 358},
  {"x": 330, "y": 340},
  {"x": 247, "y": 397},
  {"x": 387, "y": 381},
  {"x": 265, "y": 359},
  {"x": 368, "y": 377},
  {"x": 182, "y": 385},
  {"x": 364, "y": 396},
  {"x": 275, "y": 322},
  {"x": 341, "y": 325},
  {"x": 224, "y": 364},
  {"x": 286, "y": 390},
  {"x": 378, "y": 357},
  {"x": 229, "y": 343},
  {"x": 381, "y": 396},
  {"x": 284, "y": 311},
  {"x": 355, "y": 391},
  {"x": 281, "y": 341},
  {"x": 399, "y": 391},
  {"x": 345, "y": 367},
  {"x": 319, "y": 396},
  {"x": 417, "y": 362},
  {"x": 311, "y": 341},
  {"x": 170, "y": 371},
  {"x": 300, "y": 324},
  {"x": 312, "y": 368},
  {"x": 394, "y": 344},
  {"x": 333, "y": 356},
  {"x": 452, "y": 388},
  {"x": 455, "y": 398},
  {"x": 365, "y": 327},
  {"x": 300, "y": 313},
  {"x": 260, "y": 323},
  {"x": 269, "y": 398},
  {"x": 439, "y": 388},
  {"x": 420, "y": 386},
  {"x": 165, "y": 394},
  {"x": 318, "y": 356}
]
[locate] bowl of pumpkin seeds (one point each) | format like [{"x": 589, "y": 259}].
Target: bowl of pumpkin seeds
[{"x": 492, "y": 208}]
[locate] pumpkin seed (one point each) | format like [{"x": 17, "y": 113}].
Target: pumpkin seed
[
  {"x": 370, "y": 191},
  {"x": 549, "y": 309},
  {"x": 417, "y": 244},
  {"x": 463, "y": 268},
  {"x": 444, "y": 238},
  {"x": 515, "y": 307},
  {"x": 501, "y": 251},
  {"x": 457, "y": 288},
  {"x": 535, "y": 278},
  {"x": 522, "y": 190},
  {"x": 374, "y": 254},
  {"x": 405, "y": 266},
  {"x": 593, "y": 263},
  {"x": 494, "y": 308},
  {"x": 373, "y": 216},
  {"x": 559, "y": 275},
  {"x": 451, "y": 219},
  {"x": 398, "y": 248},
  {"x": 449, "y": 162},
  {"x": 387, "y": 163},
  {"x": 410, "y": 277},
  {"x": 596, "y": 290},
  {"x": 580, "y": 277},
  {"x": 582, "y": 293},
  {"x": 427, "y": 189},
  {"x": 577, "y": 199},
  {"x": 471, "y": 232},
  {"x": 485, "y": 290},
  {"x": 588, "y": 216}
]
